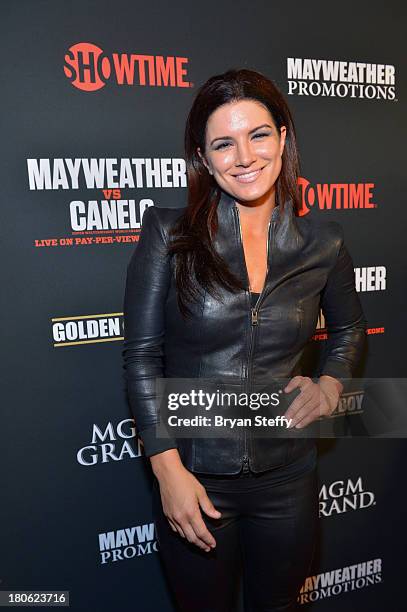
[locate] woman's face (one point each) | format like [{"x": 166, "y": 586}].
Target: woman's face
[{"x": 243, "y": 149}]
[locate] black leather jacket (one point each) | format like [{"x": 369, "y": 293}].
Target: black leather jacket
[{"x": 309, "y": 268}]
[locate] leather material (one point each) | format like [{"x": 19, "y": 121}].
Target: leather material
[
  {"x": 309, "y": 267},
  {"x": 268, "y": 529}
]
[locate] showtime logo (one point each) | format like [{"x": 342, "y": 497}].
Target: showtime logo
[
  {"x": 89, "y": 68},
  {"x": 335, "y": 196}
]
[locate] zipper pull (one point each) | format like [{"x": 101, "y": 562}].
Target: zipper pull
[
  {"x": 245, "y": 463},
  {"x": 255, "y": 317}
]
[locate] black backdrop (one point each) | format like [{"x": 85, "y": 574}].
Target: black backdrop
[{"x": 76, "y": 491}]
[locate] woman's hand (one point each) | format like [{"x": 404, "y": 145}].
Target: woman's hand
[
  {"x": 314, "y": 400},
  {"x": 182, "y": 497}
]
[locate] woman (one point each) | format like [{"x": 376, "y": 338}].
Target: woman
[{"x": 229, "y": 288}]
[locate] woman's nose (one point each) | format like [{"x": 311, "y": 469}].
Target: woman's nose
[{"x": 245, "y": 155}]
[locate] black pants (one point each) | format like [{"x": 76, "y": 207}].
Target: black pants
[{"x": 268, "y": 529}]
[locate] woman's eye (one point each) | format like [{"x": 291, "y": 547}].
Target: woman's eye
[
  {"x": 261, "y": 134},
  {"x": 221, "y": 146},
  {"x": 225, "y": 144}
]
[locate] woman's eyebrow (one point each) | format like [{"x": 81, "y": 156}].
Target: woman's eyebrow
[{"x": 251, "y": 132}]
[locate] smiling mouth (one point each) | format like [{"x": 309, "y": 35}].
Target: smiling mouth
[{"x": 248, "y": 177}]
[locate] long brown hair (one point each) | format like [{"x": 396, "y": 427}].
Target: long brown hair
[{"x": 197, "y": 264}]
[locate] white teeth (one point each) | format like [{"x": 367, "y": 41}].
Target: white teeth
[{"x": 249, "y": 176}]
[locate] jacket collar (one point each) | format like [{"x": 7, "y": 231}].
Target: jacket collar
[
  {"x": 227, "y": 203},
  {"x": 284, "y": 237}
]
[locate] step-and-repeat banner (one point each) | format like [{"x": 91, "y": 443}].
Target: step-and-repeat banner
[{"x": 94, "y": 101}]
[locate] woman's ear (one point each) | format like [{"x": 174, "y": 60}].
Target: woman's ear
[
  {"x": 283, "y": 133},
  {"x": 205, "y": 163}
]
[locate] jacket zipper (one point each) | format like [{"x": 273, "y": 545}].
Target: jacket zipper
[{"x": 254, "y": 322}]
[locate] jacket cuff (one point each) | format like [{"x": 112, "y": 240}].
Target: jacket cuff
[
  {"x": 337, "y": 369},
  {"x": 152, "y": 444}
]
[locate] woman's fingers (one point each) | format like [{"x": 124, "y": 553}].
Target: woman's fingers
[
  {"x": 309, "y": 418},
  {"x": 181, "y": 498},
  {"x": 192, "y": 537},
  {"x": 172, "y": 525},
  {"x": 309, "y": 405},
  {"x": 201, "y": 530}
]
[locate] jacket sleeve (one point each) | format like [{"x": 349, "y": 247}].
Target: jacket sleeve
[
  {"x": 345, "y": 320},
  {"x": 147, "y": 285}
]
